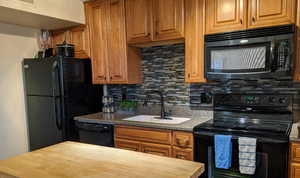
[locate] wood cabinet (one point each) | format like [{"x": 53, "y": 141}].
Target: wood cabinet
[
  {"x": 145, "y": 134},
  {"x": 139, "y": 21},
  {"x": 78, "y": 36},
  {"x": 155, "y": 22},
  {"x": 156, "y": 149},
  {"x": 225, "y": 15},
  {"x": 294, "y": 170},
  {"x": 186, "y": 154},
  {"x": 127, "y": 145},
  {"x": 183, "y": 139},
  {"x": 113, "y": 61},
  {"x": 295, "y": 152},
  {"x": 297, "y": 47},
  {"x": 168, "y": 16},
  {"x": 233, "y": 15},
  {"x": 271, "y": 12},
  {"x": 194, "y": 41},
  {"x": 155, "y": 141}
]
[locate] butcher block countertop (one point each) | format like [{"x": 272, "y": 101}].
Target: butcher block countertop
[{"x": 77, "y": 160}]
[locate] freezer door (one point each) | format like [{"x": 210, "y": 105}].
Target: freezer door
[
  {"x": 41, "y": 77},
  {"x": 44, "y": 121}
]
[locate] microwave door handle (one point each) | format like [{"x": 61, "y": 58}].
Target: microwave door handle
[{"x": 272, "y": 54}]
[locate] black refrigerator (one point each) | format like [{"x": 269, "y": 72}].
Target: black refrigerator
[{"x": 58, "y": 89}]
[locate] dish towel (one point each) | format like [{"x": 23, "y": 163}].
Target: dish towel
[
  {"x": 247, "y": 155},
  {"x": 223, "y": 151}
]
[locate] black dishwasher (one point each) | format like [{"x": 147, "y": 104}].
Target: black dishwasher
[{"x": 97, "y": 134}]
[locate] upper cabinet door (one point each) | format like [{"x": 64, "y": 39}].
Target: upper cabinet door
[
  {"x": 264, "y": 13},
  {"x": 97, "y": 13},
  {"x": 79, "y": 38},
  {"x": 168, "y": 19},
  {"x": 225, "y": 15},
  {"x": 117, "y": 46},
  {"x": 194, "y": 41},
  {"x": 139, "y": 20}
]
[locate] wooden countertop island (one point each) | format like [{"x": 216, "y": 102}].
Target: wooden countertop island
[{"x": 77, "y": 160}]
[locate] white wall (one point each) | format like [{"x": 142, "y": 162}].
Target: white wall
[
  {"x": 16, "y": 43},
  {"x": 71, "y": 10}
]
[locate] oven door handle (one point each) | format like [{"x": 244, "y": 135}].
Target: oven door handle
[{"x": 235, "y": 137}]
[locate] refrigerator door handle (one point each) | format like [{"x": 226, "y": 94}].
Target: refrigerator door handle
[
  {"x": 54, "y": 67},
  {"x": 58, "y": 124}
]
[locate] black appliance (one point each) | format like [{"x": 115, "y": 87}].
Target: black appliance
[
  {"x": 250, "y": 54},
  {"x": 267, "y": 117},
  {"x": 65, "y": 50},
  {"x": 97, "y": 134},
  {"x": 58, "y": 89}
]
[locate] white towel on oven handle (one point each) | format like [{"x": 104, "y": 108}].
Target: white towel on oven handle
[{"x": 247, "y": 155}]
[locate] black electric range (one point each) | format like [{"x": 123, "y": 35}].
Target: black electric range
[{"x": 265, "y": 117}]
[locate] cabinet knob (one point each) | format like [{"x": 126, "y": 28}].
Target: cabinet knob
[
  {"x": 253, "y": 19},
  {"x": 241, "y": 21},
  {"x": 189, "y": 75}
]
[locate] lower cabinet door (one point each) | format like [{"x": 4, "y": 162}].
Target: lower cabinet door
[
  {"x": 180, "y": 153},
  {"x": 127, "y": 145},
  {"x": 295, "y": 170},
  {"x": 156, "y": 149}
]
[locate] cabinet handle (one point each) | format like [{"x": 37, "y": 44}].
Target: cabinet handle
[
  {"x": 241, "y": 21},
  {"x": 157, "y": 27},
  {"x": 180, "y": 156},
  {"x": 253, "y": 19},
  {"x": 117, "y": 76},
  {"x": 182, "y": 142},
  {"x": 101, "y": 77},
  {"x": 154, "y": 152},
  {"x": 189, "y": 75}
]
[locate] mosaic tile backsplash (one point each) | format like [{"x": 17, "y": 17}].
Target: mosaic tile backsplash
[{"x": 163, "y": 69}]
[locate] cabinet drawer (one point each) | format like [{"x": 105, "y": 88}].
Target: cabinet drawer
[
  {"x": 186, "y": 154},
  {"x": 127, "y": 145},
  {"x": 183, "y": 139},
  {"x": 295, "y": 152},
  {"x": 144, "y": 134},
  {"x": 156, "y": 149},
  {"x": 295, "y": 170}
]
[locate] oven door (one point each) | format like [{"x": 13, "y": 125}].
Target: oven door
[
  {"x": 238, "y": 59},
  {"x": 271, "y": 159}
]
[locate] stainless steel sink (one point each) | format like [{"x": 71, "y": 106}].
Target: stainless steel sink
[{"x": 155, "y": 119}]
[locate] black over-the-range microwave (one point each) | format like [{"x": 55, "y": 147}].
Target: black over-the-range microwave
[{"x": 263, "y": 53}]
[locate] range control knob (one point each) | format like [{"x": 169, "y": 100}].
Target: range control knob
[
  {"x": 282, "y": 100},
  {"x": 272, "y": 99}
]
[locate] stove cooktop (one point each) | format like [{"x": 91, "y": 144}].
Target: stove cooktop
[{"x": 247, "y": 127}]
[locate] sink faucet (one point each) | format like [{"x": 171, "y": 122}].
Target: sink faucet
[{"x": 163, "y": 113}]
